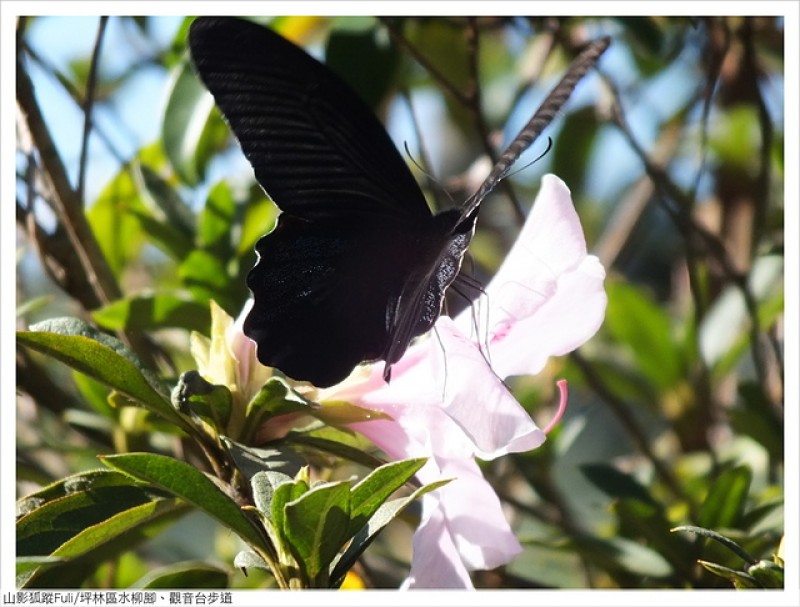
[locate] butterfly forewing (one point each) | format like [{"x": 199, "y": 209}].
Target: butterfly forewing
[{"x": 314, "y": 145}]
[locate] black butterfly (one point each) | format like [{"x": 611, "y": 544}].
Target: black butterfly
[{"x": 357, "y": 265}]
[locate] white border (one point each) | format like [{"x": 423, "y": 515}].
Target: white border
[{"x": 789, "y": 9}]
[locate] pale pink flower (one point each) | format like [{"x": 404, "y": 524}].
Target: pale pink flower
[{"x": 447, "y": 400}]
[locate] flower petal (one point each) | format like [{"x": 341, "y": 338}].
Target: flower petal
[{"x": 477, "y": 399}]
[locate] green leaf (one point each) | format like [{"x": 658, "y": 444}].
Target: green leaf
[
  {"x": 27, "y": 566},
  {"x": 112, "y": 221},
  {"x": 739, "y": 579},
  {"x": 84, "y": 481},
  {"x": 316, "y": 527},
  {"x": 213, "y": 403},
  {"x": 264, "y": 485},
  {"x": 369, "y": 494},
  {"x": 251, "y": 460},
  {"x": 259, "y": 218},
  {"x": 247, "y": 559},
  {"x": 385, "y": 514},
  {"x": 45, "y": 528},
  {"x": 637, "y": 322},
  {"x": 165, "y": 236},
  {"x": 163, "y": 196},
  {"x": 216, "y": 221},
  {"x": 192, "y": 129},
  {"x": 185, "y": 481},
  {"x": 622, "y": 554},
  {"x": 726, "y": 499},
  {"x": 103, "y": 358},
  {"x": 616, "y": 484},
  {"x": 282, "y": 494},
  {"x": 768, "y": 574},
  {"x": 276, "y": 397},
  {"x": 156, "y": 311},
  {"x": 189, "y": 574},
  {"x": 718, "y": 537}
]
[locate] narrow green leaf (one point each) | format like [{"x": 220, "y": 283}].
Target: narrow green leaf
[
  {"x": 316, "y": 527},
  {"x": 728, "y": 543},
  {"x": 83, "y": 481},
  {"x": 154, "y": 311},
  {"x": 42, "y": 530},
  {"x": 739, "y": 579},
  {"x": 385, "y": 514},
  {"x": 185, "y": 481},
  {"x": 213, "y": 403},
  {"x": 372, "y": 491},
  {"x": 726, "y": 499},
  {"x": 110, "y": 529}
]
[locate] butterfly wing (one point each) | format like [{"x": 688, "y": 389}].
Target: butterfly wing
[
  {"x": 315, "y": 146},
  {"x": 356, "y": 266}
]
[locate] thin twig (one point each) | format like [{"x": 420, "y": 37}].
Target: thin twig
[
  {"x": 620, "y": 410},
  {"x": 88, "y": 104}
]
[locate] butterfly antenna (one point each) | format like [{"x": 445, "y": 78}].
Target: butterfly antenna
[
  {"x": 540, "y": 120},
  {"x": 430, "y": 177}
]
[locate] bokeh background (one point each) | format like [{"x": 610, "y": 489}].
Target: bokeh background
[{"x": 673, "y": 150}]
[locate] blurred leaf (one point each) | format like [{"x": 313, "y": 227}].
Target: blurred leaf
[
  {"x": 157, "y": 311},
  {"x": 637, "y": 322},
  {"x": 215, "y": 224},
  {"x": 26, "y": 566},
  {"x": 189, "y": 483},
  {"x": 616, "y": 484},
  {"x": 112, "y": 221},
  {"x": 621, "y": 554},
  {"x": 573, "y": 147},
  {"x": 377, "y": 63},
  {"x": 163, "y": 235},
  {"x": 753, "y": 416},
  {"x": 164, "y": 197},
  {"x": 767, "y": 573},
  {"x": 259, "y": 218},
  {"x": 185, "y": 575},
  {"x": 739, "y": 579},
  {"x": 207, "y": 277},
  {"x": 192, "y": 129},
  {"x": 724, "y": 505}
]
